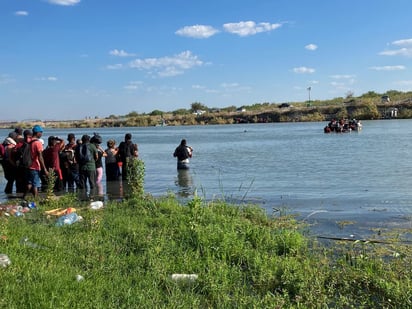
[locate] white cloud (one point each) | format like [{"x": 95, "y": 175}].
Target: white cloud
[
  {"x": 198, "y": 87},
  {"x": 397, "y": 52},
  {"x": 120, "y": 53},
  {"x": 246, "y": 28},
  {"x": 389, "y": 68},
  {"x": 229, "y": 85},
  {"x": 404, "y": 51},
  {"x": 21, "y": 13},
  {"x": 204, "y": 89},
  {"x": 311, "y": 47},
  {"x": 48, "y": 78},
  {"x": 343, "y": 81},
  {"x": 197, "y": 31},
  {"x": 133, "y": 85},
  {"x": 233, "y": 87},
  {"x": 303, "y": 70},
  {"x": 338, "y": 84},
  {"x": 402, "y": 42},
  {"x": 6, "y": 79},
  {"x": 64, "y": 2},
  {"x": 167, "y": 66},
  {"x": 342, "y": 76},
  {"x": 116, "y": 66}
]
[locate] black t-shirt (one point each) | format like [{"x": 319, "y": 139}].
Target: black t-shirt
[
  {"x": 181, "y": 153},
  {"x": 126, "y": 150}
]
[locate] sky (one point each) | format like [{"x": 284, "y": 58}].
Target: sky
[{"x": 75, "y": 59}]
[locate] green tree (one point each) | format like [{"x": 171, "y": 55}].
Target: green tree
[
  {"x": 156, "y": 112},
  {"x": 195, "y": 106},
  {"x": 132, "y": 114}
]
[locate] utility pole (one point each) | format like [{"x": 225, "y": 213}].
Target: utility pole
[{"x": 309, "y": 89}]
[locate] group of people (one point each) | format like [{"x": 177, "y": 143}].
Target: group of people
[
  {"x": 343, "y": 126},
  {"x": 29, "y": 163}
]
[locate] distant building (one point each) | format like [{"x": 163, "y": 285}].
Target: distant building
[
  {"x": 199, "y": 112},
  {"x": 393, "y": 112}
]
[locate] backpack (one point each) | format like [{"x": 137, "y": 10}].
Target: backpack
[
  {"x": 24, "y": 155},
  {"x": 67, "y": 155},
  {"x": 84, "y": 153}
]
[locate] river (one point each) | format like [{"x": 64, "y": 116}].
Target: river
[{"x": 362, "y": 178}]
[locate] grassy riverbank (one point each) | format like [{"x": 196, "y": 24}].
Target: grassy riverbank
[{"x": 126, "y": 253}]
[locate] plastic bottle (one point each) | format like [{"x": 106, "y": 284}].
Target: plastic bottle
[
  {"x": 25, "y": 242},
  {"x": 96, "y": 205},
  {"x": 67, "y": 219},
  {"x": 4, "y": 260},
  {"x": 187, "y": 277}
]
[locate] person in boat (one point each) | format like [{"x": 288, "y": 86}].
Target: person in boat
[{"x": 183, "y": 153}]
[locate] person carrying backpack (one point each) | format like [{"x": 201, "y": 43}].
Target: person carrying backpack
[
  {"x": 37, "y": 162},
  {"x": 69, "y": 165},
  {"x": 86, "y": 156}
]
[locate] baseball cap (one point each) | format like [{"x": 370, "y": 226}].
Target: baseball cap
[{"x": 37, "y": 129}]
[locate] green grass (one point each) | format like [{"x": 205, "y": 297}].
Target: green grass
[{"x": 128, "y": 251}]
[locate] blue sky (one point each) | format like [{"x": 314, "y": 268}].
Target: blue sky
[{"x": 71, "y": 59}]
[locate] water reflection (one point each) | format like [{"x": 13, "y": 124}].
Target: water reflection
[
  {"x": 184, "y": 181},
  {"x": 114, "y": 190}
]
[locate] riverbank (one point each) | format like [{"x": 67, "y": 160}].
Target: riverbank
[
  {"x": 360, "y": 108},
  {"x": 159, "y": 253}
]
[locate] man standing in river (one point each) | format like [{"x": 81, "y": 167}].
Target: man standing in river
[
  {"x": 127, "y": 151},
  {"x": 183, "y": 153}
]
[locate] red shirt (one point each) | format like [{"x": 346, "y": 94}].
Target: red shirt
[
  {"x": 52, "y": 160},
  {"x": 36, "y": 149}
]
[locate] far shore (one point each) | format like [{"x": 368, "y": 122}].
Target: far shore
[{"x": 360, "y": 109}]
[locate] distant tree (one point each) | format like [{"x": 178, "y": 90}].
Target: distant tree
[
  {"x": 370, "y": 94},
  {"x": 349, "y": 95},
  {"x": 258, "y": 106},
  {"x": 230, "y": 108},
  {"x": 195, "y": 106},
  {"x": 156, "y": 112},
  {"x": 181, "y": 111},
  {"x": 132, "y": 114},
  {"x": 112, "y": 117}
]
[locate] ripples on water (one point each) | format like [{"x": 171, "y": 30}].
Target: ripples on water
[{"x": 354, "y": 176}]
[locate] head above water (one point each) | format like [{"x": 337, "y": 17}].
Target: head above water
[{"x": 183, "y": 142}]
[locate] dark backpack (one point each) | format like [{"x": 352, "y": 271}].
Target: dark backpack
[
  {"x": 84, "y": 154},
  {"x": 24, "y": 155},
  {"x": 67, "y": 155}
]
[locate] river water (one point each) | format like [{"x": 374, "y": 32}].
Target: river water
[{"x": 362, "y": 178}]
